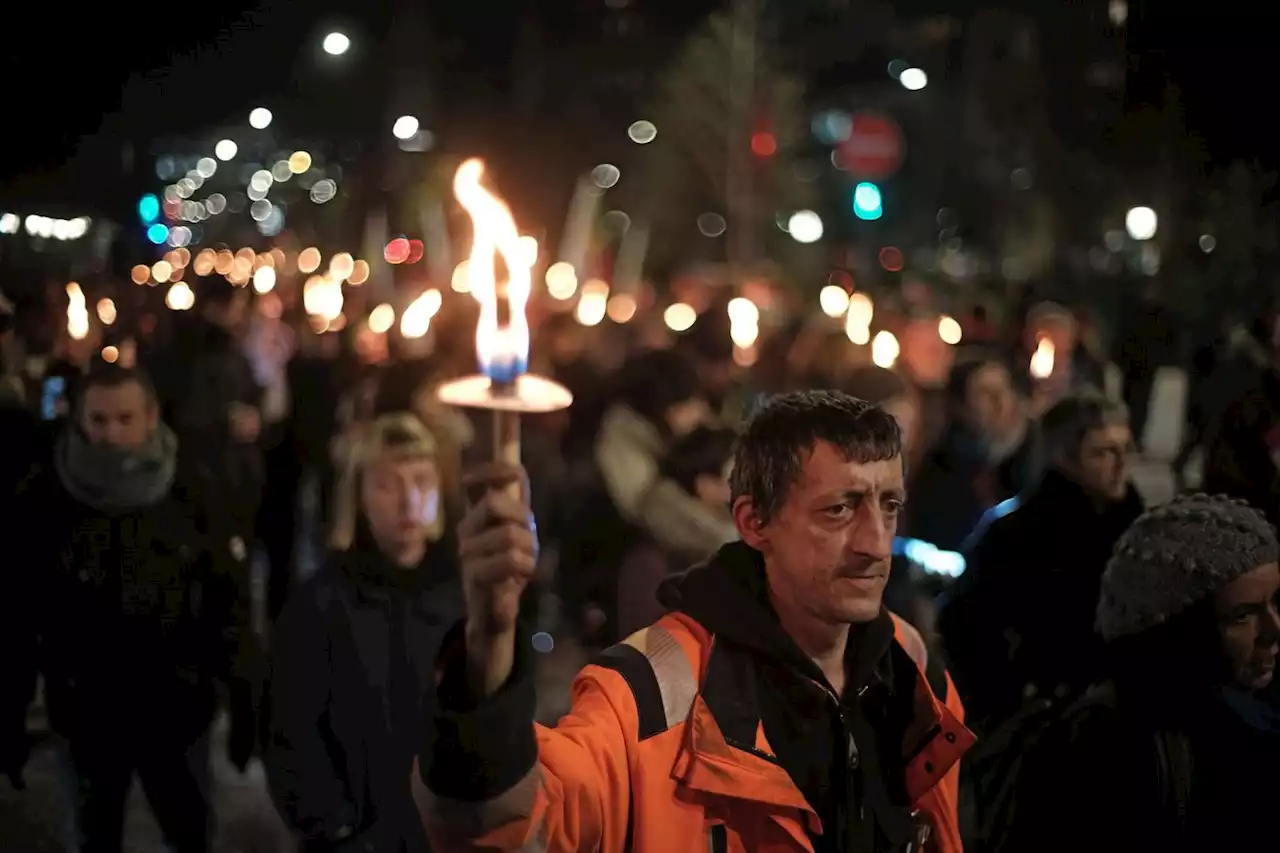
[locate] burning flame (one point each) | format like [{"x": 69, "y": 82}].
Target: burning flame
[
  {"x": 744, "y": 322},
  {"x": 416, "y": 319},
  {"x": 1042, "y": 359},
  {"x": 502, "y": 348},
  {"x": 77, "y": 313}
]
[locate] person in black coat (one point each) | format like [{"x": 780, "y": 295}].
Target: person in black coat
[
  {"x": 1019, "y": 623},
  {"x": 119, "y": 589},
  {"x": 988, "y": 453},
  {"x": 354, "y": 652}
]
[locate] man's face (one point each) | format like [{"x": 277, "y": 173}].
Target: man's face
[
  {"x": 1250, "y": 626},
  {"x": 1103, "y": 468},
  {"x": 991, "y": 403},
  {"x": 827, "y": 549},
  {"x": 118, "y": 415}
]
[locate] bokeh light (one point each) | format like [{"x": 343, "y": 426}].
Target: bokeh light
[
  {"x": 382, "y": 318},
  {"x": 642, "y": 132},
  {"x": 679, "y": 317},
  {"x": 336, "y": 44},
  {"x": 405, "y": 127},
  {"x": 805, "y": 226}
]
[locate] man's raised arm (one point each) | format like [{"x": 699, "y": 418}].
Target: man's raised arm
[{"x": 491, "y": 779}]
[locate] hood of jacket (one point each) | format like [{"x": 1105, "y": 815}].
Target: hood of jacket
[{"x": 728, "y": 595}]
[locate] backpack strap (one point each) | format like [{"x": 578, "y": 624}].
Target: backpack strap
[{"x": 663, "y": 684}]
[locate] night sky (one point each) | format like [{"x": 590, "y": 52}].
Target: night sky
[{"x": 65, "y": 68}]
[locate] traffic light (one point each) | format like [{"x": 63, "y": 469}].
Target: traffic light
[
  {"x": 764, "y": 144},
  {"x": 867, "y": 202},
  {"x": 148, "y": 209}
]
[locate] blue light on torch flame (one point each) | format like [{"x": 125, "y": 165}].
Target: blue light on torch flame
[{"x": 505, "y": 368}]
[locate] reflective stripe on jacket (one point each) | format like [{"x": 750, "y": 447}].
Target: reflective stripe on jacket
[{"x": 641, "y": 764}]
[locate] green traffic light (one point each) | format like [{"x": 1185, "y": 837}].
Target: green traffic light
[{"x": 868, "y": 203}]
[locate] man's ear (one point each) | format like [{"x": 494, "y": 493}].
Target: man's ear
[{"x": 750, "y": 527}]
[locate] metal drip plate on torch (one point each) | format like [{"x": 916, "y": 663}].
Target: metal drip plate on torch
[{"x": 528, "y": 395}]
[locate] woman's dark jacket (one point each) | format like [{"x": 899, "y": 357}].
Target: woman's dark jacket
[
  {"x": 353, "y": 680},
  {"x": 1124, "y": 774}
]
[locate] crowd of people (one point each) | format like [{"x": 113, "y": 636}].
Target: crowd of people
[{"x": 1099, "y": 674}]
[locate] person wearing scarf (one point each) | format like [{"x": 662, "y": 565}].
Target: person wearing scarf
[
  {"x": 123, "y": 583},
  {"x": 354, "y": 650}
]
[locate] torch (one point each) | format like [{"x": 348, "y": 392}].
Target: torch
[{"x": 504, "y": 385}]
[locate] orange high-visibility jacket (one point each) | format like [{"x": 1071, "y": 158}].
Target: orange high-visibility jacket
[{"x": 641, "y": 765}]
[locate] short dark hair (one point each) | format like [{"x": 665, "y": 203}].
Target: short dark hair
[
  {"x": 705, "y": 451},
  {"x": 108, "y": 375},
  {"x": 770, "y": 451},
  {"x": 1063, "y": 428}
]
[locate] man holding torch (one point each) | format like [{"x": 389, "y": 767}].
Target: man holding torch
[{"x": 777, "y": 707}]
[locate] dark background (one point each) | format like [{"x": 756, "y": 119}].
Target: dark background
[{"x": 69, "y": 74}]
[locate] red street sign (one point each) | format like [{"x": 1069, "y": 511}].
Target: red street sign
[{"x": 873, "y": 149}]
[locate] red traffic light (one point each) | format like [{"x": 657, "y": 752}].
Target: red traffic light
[{"x": 764, "y": 144}]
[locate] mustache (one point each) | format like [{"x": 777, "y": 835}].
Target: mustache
[{"x": 864, "y": 566}]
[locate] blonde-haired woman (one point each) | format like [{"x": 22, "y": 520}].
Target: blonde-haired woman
[{"x": 354, "y": 651}]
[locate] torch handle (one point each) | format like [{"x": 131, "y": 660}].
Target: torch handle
[{"x": 506, "y": 443}]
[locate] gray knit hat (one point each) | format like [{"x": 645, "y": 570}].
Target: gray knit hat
[{"x": 1176, "y": 555}]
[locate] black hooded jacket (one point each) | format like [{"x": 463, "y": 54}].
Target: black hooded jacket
[
  {"x": 353, "y": 677},
  {"x": 838, "y": 750}
]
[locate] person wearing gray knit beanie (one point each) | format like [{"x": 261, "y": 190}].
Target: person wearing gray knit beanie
[
  {"x": 1176, "y": 748},
  {"x": 1192, "y": 550}
]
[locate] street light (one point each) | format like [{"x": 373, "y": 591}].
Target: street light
[
  {"x": 1141, "y": 223},
  {"x": 405, "y": 127},
  {"x": 805, "y": 227},
  {"x": 336, "y": 44},
  {"x": 913, "y": 79},
  {"x": 260, "y": 118},
  {"x": 225, "y": 149}
]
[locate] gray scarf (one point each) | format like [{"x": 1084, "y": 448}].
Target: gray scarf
[{"x": 114, "y": 478}]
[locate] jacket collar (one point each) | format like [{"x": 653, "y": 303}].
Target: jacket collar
[{"x": 726, "y": 752}]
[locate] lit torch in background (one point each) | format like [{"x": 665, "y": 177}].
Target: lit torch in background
[
  {"x": 77, "y": 313},
  {"x": 502, "y": 333},
  {"x": 1042, "y": 359}
]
